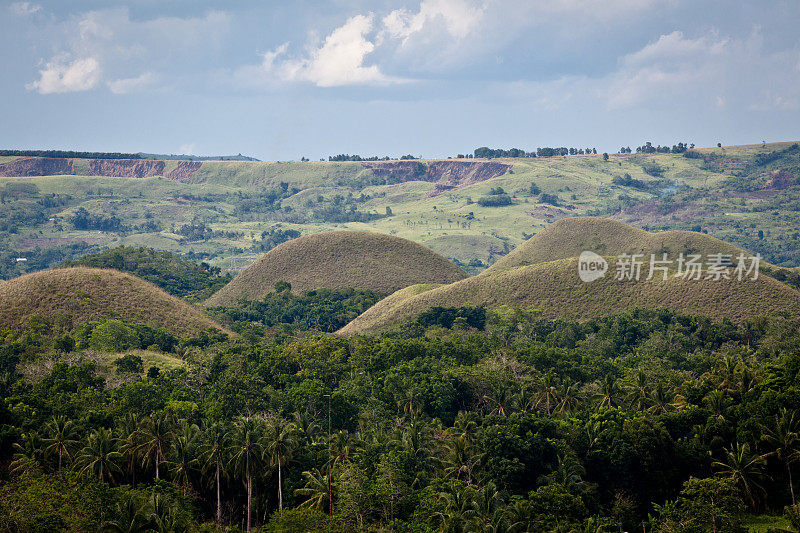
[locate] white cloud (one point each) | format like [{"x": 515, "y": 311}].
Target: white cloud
[
  {"x": 131, "y": 85},
  {"x": 186, "y": 149},
  {"x": 60, "y": 76},
  {"x": 340, "y": 60},
  {"x": 458, "y": 17},
  {"x": 24, "y": 9},
  {"x": 121, "y": 47}
]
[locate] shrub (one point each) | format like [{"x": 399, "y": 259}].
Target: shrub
[
  {"x": 495, "y": 200},
  {"x": 130, "y": 363},
  {"x": 551, "y": 199},
  {"x": 113, "y": 336}
]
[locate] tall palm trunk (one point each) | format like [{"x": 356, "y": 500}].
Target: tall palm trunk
[
  {"x": 158, "y": 455},
  {"x": 249, "y": 498},
  {"x": 280, "y": 487},
  {"x": 219, "y": 498},
  {"x": 791, "y": 484}
]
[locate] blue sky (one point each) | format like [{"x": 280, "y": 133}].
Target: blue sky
[{"x": 282, "y": 80}]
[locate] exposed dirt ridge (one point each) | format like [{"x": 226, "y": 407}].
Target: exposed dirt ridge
[
  {"x": 126, "y": 168},
  {"x": 118, "y": 168},
  {"x": 184, "y": 170},
  {"x": 454, "y": 173},
  {"x": 36, "y": 166}
]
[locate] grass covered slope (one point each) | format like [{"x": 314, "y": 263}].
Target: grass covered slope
[
  {"x": 555, "y": 289},
  {"x": 338, "y": 260},
  {"x": 571, "y": 236},
  {"x": 79, "y": 294}
]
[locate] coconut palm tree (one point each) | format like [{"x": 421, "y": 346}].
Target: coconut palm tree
[
  {"x": 548, "y": 393},
  {"x": 100, "y": 456},
  {"x": 487, "y": 512},
  {"x": 128, "y": 517},
  {"x": 155, "y": 440},
  {"x": 744, "y": 468},
  {"x": 569, "y": 398},
  {"x": 784, "y": 438},
  {"x": 163, "y": 517},
  {"x": 465, "y": 425},
  {"x": 182, "y": 460},
  {"x": 568, "y": 473},
  {"x": 638, "y": 397},
  {"x": 127, "y": 432},
  {"x": 608, "y": 393},
  {"x": 214, "y": 452},
  {"x": 455, "y": 509},
  {"x": 280, "y": 440},
  {"x": 60, "y": 438},
  {"x": 315, "y": 490},
  {"x": 247, "y": 452},
  {"x": 460, "y": 459},
  {"x": 662, "y": 401},
  {"x": 27, "y": 453}
]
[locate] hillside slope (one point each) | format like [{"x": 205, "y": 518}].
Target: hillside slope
[
  {"x": 338, "y": 260},
  {"x": 555, "y": 290},
  {"x": 569, "y": 237},
  {"x": 77, "y": 294}
]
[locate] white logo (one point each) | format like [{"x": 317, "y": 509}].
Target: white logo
[{"x": 591, "y": 266}]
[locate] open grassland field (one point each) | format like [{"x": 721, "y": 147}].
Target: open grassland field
[
  {"x": 340, "y": 260},
  {"x": 471, "y": 211},
  {"x": 66, "y": 297}
]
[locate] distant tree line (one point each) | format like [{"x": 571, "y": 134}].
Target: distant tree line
[
  {"x": 648, "y": 148},
  {"x": 69, "y": 154},
  {"x": 492, "y": 153},
  {"x": 356, "y": 157}
]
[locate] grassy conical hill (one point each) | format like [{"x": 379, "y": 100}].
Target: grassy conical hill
[
  {"x": 569, "y": 237},
  {"x": 556, "y": 290},
  {"x": 77, "y": 294},
  {"x": 337, "y": 260}
]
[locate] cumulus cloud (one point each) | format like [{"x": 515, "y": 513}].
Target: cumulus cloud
[
  {"x": 459, "y": 18},
  {"x": 109, "y": 46},
  {"x": 341, "y": 59},
  {"x": 24, "y": 9},
  {"x": 131, "y": 85},
  {"x": 60, "y": 76},
  {"x": 675, "y": 66}
]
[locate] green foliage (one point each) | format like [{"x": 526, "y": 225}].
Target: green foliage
[
  {"x": 174, "y": 274},
  {"x": 495, "y": 200},
  {"x": 113, "y": 336},
  {"x": 447, "y": 317},
  {"x": 645, "y": 417},
  {"x": 129, "y": 363},
  {"x": 321, "y": 310}
]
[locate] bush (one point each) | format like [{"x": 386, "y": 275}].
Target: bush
[
  {"x": 113, "y": 336},
  {"x": 495, "y": 200},
  {"x": 130, "y": 363},
  {"x": 547, "y": 198}
]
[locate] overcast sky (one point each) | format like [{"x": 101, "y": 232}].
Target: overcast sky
[{"x": 281, "y": 80}]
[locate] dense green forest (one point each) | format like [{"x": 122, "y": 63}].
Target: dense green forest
[
  {"x": 462, "y": 420},
  {"x": 176, "y": 275}
]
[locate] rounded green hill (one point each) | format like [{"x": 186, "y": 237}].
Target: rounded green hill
[
  {"x": 542, "y": 274},
  {"x": 78, "y": 294},
  {"x": 338, "y": 260},
  {"x": 557, "y": 292},
  {"x": 569, "y": 237}
]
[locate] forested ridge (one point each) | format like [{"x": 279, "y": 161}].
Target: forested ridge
[{"x": 503, "y": 422}]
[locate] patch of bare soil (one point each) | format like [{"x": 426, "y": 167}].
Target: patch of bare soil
[{"x": 36, "y": 166}]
